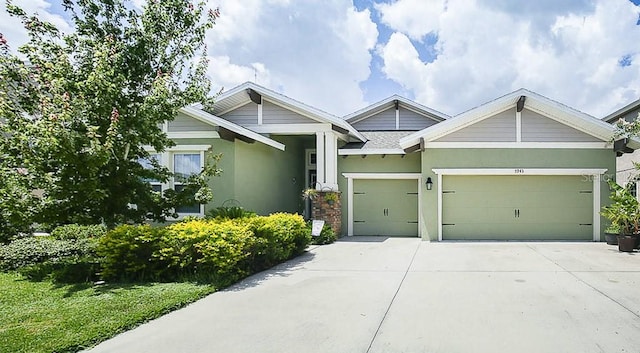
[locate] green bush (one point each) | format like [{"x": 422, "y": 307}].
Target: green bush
[
  {"x": 196, "y": 249},
  {"x": 38, "y": 258},
  {"x": 279, "y": 237},
  {"x": 76, "y": 231},
  {"x": 217, "y": 250},
  {"x": 327, "y": 235},
  {"x": 34, "y": 250},
  {"x": 127, "y": 252},
  {"x": 233, "y": 212},
  {"x": 207, "y": 249}
]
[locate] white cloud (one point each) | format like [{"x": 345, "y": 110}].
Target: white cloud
[
  {"x": 416, "y": 18},
  {"x": 14, "y": 31},
  {"x": 315, "y": 52},
  {"x": 484, "y": 52},
  {"x": 227, "y": 75}
]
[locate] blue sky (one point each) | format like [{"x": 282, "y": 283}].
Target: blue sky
[{"x": 450, "y": 55}]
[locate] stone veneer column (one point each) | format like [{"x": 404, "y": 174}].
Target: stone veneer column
[{"x": 330, "y": 213}]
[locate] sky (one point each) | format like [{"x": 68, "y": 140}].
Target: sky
[{"x": 450, "y": 55}]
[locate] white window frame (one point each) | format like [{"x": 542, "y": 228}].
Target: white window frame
[
  {"x": 167, "y": 160},
  {"x": 179, "y": 183},
  {"x": 160, "y": 161}
]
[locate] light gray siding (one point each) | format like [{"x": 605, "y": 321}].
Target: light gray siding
[
  {"x": 498, "y": 128},
  {"x": 630, "y": 116},
  {"x": 244, "y": 115},
  {"x": 384, "y": 120},
  {"x": 538, "y": 128},
  {"x": 185, "y": 123},
  {"x": 410, "y": 120},
  {"x": 275, "y": 114}
]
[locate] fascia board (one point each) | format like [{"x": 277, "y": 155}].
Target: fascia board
[
  {"x": 383, "y": 105},
  {"x": 370, "y": 110},
  {"x": 304, "y": 109},
  {"x": 535, "y": 102},
  {"x": 622, "y": 111},
  {"x": 216, "y": 121}
]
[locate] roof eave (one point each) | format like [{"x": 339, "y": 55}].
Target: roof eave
[
  {"x": 217, "y": 121},
  {"x": 611, "y": 118}
]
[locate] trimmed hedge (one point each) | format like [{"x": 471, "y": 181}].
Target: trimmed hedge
[
  {"x": 218, "y": 250},
  {"x": 206, "y": 249},
  {"x": 278, "y": 237},
  {"x": 38, "y": 258},
  {"x": 76, "y": 231},
  {"x": 127, "y": 251}
]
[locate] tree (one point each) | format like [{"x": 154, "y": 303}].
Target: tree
[{"x": 77, "y": 111}]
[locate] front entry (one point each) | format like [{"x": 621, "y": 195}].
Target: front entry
[{"x": 387, "y": 207}]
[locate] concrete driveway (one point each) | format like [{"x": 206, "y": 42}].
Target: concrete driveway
[{"x": 404, "y": 295}]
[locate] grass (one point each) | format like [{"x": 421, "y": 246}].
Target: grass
[{"x": 46, "y": 317}]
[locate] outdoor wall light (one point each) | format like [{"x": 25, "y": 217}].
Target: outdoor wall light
[{"x": 429, "y": 183}]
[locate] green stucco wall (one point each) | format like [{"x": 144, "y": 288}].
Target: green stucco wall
[
  {"x": 269, "y": 180},
  {"x": 259, "y": 177},
  {"x": 223, "y": 186},
  {"x": 507, "y": 158},
  {"x": 372, "y": 164}
]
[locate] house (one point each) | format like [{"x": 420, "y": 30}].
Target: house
[
  {"x": 520, "y": 167},
  {"x": 625, "y": 170}
]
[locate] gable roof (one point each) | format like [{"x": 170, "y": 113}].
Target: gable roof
[
  {"x": 389, "y": 102},
  {"x": 620, "y": 113},
  {"x": 550, "y": 108},
  {"x": 240, "y": 95},
  {"x": 201, "y": 115}
]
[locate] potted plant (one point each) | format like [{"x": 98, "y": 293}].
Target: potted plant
[
  {"x": 611, "y": 234},
  {"x": 331, "y": 197},
  {"x": 624, "y": 211},
  {"x": 309, "y": 194}
]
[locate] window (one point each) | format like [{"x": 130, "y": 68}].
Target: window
[
  {"x": 185, "y": 165},
  {"x": 146, "y": 164},
  {"x": 183, "y": 161},
  {"x": 311, "y": 158}
]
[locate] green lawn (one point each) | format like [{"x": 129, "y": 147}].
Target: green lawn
[{"x": 45, "y": 317}]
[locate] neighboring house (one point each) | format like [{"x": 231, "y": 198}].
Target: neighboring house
[
  {"x": 520, "y": 167},
  {"x": 625, "y": 170}
]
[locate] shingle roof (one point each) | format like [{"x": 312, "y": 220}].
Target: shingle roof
[{"x": 378, "y": 142}]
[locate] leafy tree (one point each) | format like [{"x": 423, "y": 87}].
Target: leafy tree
[{"x": 77, "y": 109}]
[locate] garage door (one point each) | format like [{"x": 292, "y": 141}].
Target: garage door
[
  {"x": 385, "y": 207},
  {"x": 517, "y": 208}
]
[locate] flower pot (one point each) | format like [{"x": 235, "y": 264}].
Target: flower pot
[
  {"x": 626, "y": 243},
  {"x": 611, "y": 238}
]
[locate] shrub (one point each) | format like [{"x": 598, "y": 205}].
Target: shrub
[
  {"x": 38, "y": 258},
  {"x": 233, "y": 212},
  {"x": 279, "y": 237},
  {"x": 127, "y": 251},
  {"x": 196, "y": 249},
  {"x": 218, "y": 250},
  {"x": 327, "y": 235},
  {"x": 34, "y": 250},
  {"x": 76, "y": 231},
  {"x": 207, "y": 249}
]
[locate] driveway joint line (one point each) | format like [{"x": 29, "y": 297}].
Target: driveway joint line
[
  {"x": 375, "y": 335},
  {"x": 586, "y": 283}
]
